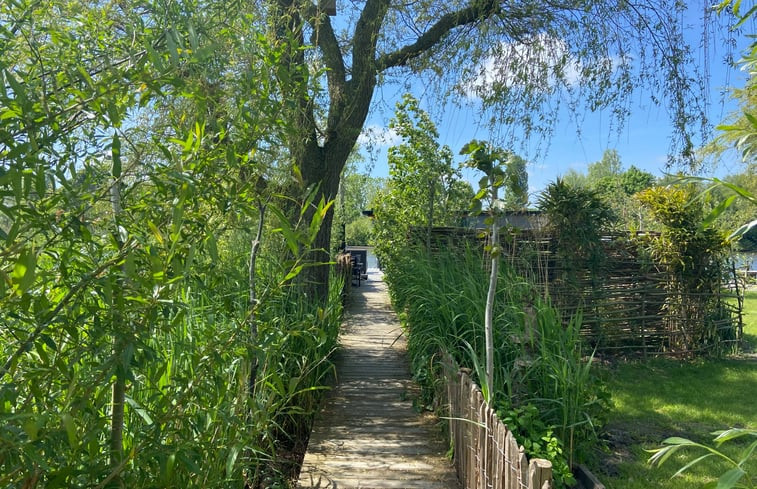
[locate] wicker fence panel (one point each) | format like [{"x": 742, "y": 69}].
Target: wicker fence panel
[{"x": 627, "y": 304}]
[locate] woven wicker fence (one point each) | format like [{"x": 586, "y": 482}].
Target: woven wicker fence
[
  {"x": 628, "y": 304},
  {"x": 487, "y": 456}
]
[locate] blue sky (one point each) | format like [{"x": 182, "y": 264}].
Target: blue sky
[{"x": 644, "y": 141}]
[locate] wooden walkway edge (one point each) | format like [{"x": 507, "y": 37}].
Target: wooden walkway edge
[{"x": 368, "y": 434}]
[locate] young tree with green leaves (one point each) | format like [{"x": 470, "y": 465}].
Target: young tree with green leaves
[
  {"x": 137, "y": 144},
  {"x": 502, "y": 170},
  {"x": 423, "y": 189}
]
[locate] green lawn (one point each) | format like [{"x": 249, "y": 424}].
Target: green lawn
[{"x": 662, "y": 398}]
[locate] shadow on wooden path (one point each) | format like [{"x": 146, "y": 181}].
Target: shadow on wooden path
[{"x": 369, "y": 435}]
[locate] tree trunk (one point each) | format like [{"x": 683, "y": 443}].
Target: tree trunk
[
  {"x": 322, "y": 167},
  {"x": 490, "y": 296}
]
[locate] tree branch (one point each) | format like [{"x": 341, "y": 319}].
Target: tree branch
[
  {"x": 325, "y": 39},
  {"x": 478, "y": 10},
  {"x": 347, "y": 124},
  {"x": 365, "y": 39}
]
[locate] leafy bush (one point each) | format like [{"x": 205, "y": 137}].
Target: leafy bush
[
  {"x": 538, "y": 440},
  {"x": 693, "y": 256}
]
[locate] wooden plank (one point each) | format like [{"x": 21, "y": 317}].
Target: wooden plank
[
  {"x": 513, "y": 458},
  {"x": 368, "y": 434},
  {"x": 522, "y": 468},
  {"x": 500, "y": 447}
]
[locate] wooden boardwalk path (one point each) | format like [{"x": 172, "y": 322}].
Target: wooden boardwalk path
[{"x": 369, "y": 435}]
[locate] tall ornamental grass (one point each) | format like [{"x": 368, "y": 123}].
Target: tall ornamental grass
[{"x": 543, "y": 385}]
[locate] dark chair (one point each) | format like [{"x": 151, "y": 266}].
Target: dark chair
[{"x": 357, "y": 270}]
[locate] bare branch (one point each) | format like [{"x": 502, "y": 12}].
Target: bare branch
[{"x": 477, "y": 11}]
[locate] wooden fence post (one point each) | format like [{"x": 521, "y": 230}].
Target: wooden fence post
[{"x": 539, "y": 474}]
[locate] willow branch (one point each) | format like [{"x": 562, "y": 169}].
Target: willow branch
[{"x": 475, "y": 12}]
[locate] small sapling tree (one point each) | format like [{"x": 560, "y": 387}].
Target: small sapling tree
[{"x": 502, "y": 170}]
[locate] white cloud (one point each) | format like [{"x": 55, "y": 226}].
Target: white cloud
[
  {"x": 376, "y": 136},
  {"x": 537, "y": 61}
]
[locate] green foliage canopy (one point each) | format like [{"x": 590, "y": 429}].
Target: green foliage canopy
[{"x": 136, "y": 145}]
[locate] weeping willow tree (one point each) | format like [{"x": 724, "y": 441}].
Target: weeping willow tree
[{"x": 523, "y": 61}]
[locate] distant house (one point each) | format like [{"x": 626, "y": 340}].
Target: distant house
[{"x": 524, "y": 220}]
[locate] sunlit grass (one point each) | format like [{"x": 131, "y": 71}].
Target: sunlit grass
[{"x": 663, "y": 398}]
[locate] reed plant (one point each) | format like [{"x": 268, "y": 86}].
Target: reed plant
[{"x": 542, "y": 381}]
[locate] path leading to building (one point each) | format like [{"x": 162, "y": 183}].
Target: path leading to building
[{"x": 369, "y": 435}]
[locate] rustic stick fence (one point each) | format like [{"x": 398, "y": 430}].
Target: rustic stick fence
[
  {"x": 628, "y": 304},
  {"x": 487, "y": 456}
]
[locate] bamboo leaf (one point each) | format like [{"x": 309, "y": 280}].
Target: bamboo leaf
[
  {"x": 139, "y": 410},
  {"x": 155, "y": 231},
  {"x": 24, "y": 271},
  {"x": 210, "y": 243},
  {"x": 727, "y": 435},
  {"x": 115, "y": 151},
  {"x": 293, "y": 272},
  {"x": 232, "y": 459},
  {"x": 691, "y": 464},
  {"x": 717, "y": 211},
  {"x": 741, "y": 231},
  {"x": 70, "y": 426},
  {"x": 730, "y": 478}
]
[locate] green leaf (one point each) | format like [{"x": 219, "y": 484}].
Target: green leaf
[
  {"x": 70, "y": 426},
  {"x": 169, "y": 467},
  {"x": 717, "y": 211},
  {"x": 40, "y": 181},
  {"x": 192, "y": 36},
  {"x": 31, "y": 428},
  {"x": 85, "y": 76},
  {"x": 231, "y": 459},
  {"x": 177, "y": 220},
  {"x": 16, "y": 86},
  {"x": 171, "y": 45},
  {"x": 730, "y": 478},
  {"x": 212, "y": 247},
  {"x": 155, "y": 58},
  {"x": 115, "y": 151},
  {"x": 746, "y": 16},
  {"x": 155, "y": 231},
  {"x": 139, "y": 410},
  {"x": 743, "y": 229},
  {"x": 24, "y": 270},
  {"x": 726, "y": 435},
  {"x": 285, "y": 228},
  {"x": 748, "y": 451},
  {"x": 293, "y": 272},
  {"x": 691, "y": 464}
]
